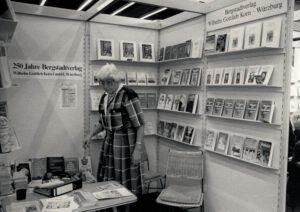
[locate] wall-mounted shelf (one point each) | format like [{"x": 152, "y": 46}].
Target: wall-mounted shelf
[
  {"x": 180, "y": 112},
  {"x": 122, "y": 61},
  {"x": 180, "y": 142},
  {"x": 179, "y": 60},
  {"x": 243, "y": 86}
]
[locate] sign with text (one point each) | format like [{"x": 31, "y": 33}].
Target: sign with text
[
  {"x": 245, "y": 11},
  {"x": 45, "y": 70}
]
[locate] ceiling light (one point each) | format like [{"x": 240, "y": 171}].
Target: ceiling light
[
  {"x": 104, "y": 4},
  {"x": 43, "y": 2},
  {"x": 153, "y": 13},
  {"x": 123, "y": 8},
  {"x": 84, "y": 5}
]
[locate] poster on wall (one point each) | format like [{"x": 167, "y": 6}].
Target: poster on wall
[{"x": 68, "y": 95}]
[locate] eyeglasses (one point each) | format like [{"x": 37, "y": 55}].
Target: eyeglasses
[{"x": 107, "y": 82}]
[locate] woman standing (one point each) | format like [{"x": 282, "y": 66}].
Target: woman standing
[{"x": 123, "y": 120}]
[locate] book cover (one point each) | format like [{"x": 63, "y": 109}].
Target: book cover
[
  {"x": 264, "y": 74},
  {"x": 173, "y": 131},
  {"x": 167, "y": 129},
  {"x": 209, "y": 79},
  {"x": 222, "y": 142},
  {"x": 179, "y": 132},
  {"x": 95, "y": 99},
  {"x": 182, "y": 102},
  {"x": 164, "y": 77},
  {"x": 239, "y": 108},
  {"x": 271, "y": 32},
  {"x": 252, "y": 73},
  {"x": 185, "y": 78},
  {"x": 131, "y": 78},
  {"x": 151, "y": 78},
  {"x": 221, "y": 43},
  {"x": 147, "y": 52},
  {"x": 251, "y": 109},
  {"x": 195, "y": 77},
  {"x": 128, "y": 51},
  {"x": 161, "y": 54},
  {"x": 71, "y": 165},
  {"x": 176, "y": 77},
  {"x": 151, "y": 100},
  {"x": 266, "y": 110},
  {"x": 169, "y": 102},
  {"x": 161, "y": 101},
  {"x": 105, "y": 49},
  {"x": 38, "y": 168},
  {"x": 253, "y": 35},
  {"x": 188, "y": 48},
  {"x": 210, "y": 141},
  {"x": 228, "y": 74},
  {"x": 197, "y": 48},
  {"x": 191, "y": 105},
  {"x": 141, "y": 78},
  {"x": 176, "y": 102},
  {"x": 160, "y": 127},
  {"x": 236, "y": 39},
  {"x": 188, "y": 135},
  {"x": 218, "y": 76},
  {"x": 143, "y": 100},
  {"x": 210, "y": 43},
  {"x": 264, "y": 153},
  {"x": 250, "y": 149},
  {"x": 174, "y": 52},
  {"x": 228, "y": 108},
  {"x": 239, "y": 75},
  {"x": 218, "y": 107},
  {"x": 168, "y": 53},
  {"x": 236, "y": 146},
  {"x": 209, "y": 105},
  {"x": 85, "y": 164}
]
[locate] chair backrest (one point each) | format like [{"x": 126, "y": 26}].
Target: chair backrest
[{"x": 184, "y": 167}]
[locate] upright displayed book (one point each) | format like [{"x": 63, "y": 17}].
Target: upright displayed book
[
  {"x": 266, "y": 110},
  {"x": 236, "y": 145},
  {"x": 250, "y": 149},
  {"x": 147, "y": 52},
  {"x": 131, "y": 78},
  {"x": 252, "y": 72},
  {"x": 239, "y": 75},
  {"x": 128, "y": 51},
  {"x": 228, "y": 108},
  {"x": 185, "y": 78},
  {"x": 195, "y": 77},
  {"x": 176, "y": 77},
  {"x": 151, "y": 100},
  {"x": 161, "y": 54},
  {"x": 271, "y": 32},
  {"x": 192, "y": 101},
  {"x": 265, "y": 74},
  {"x": 182, "y": 102},
  {"x": 179, "y": 132},
  {"x": 188, "y": 48},
  {"x": 209, "y": 106},
  {"x": 236, "y": 39},
  {"x": 210, "y": 43},
  {"x": 173, "y": 131},
  {"x": 167, "y": 129},
  {"x": 209, "y": 79},
  {"x": 218, "y": 76},
  {"x": 222, "y": 142},
  {"x": 160, "y": 127},
  {"x": 151, "y": 78},
  {"x": 164, "y": 77},
  {"x": 143, "y": 99},
  {"x": 239, "y": 108},
  {"x": 197, "y": 48},
  {"x": 161, "y": 101},
  {"x": 106, "y": 49},
  {"x": 188, "y": 135},
  {"x": 221, "y": 44},
  {"x": 210, "y": 141},
  {"x": 141, "y": 78},
  {"x": 251, "y": 109},
  {"x": 253, "y": 35},
  {"x": 227, "y": 76},
  {"x": 169, "y": 102},
  {"x": 264, "y": 153},
  {"x": 218, "y": 107}
]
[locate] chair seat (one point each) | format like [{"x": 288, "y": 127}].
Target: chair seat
[
  {"x": 149, "y": 175},
  {"x": 181, "y": 196}
]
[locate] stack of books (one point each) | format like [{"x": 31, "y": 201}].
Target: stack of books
[{"x": 5, "y": 180}]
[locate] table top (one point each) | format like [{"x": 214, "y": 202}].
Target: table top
[{"x": 90, "y": 187}]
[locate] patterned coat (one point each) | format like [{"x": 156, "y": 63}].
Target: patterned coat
[{"x": 123, "y": 116}]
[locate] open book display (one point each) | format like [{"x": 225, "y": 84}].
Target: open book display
[{"x": 111, "y": 190}]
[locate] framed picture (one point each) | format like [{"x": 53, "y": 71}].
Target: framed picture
[
  {"x": 147, "y": 52},
  {"x": 105, "y": 49},
  {"x": 128, "y": 51}
]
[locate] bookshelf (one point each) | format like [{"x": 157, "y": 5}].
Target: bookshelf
[
  {"x": 178, "y": 142},
  {"x": 180, "y": 112}
]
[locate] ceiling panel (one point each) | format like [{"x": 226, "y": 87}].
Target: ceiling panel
[
  {"x": 137, "y": 10},
  {"x": 113, "y": 7},
  {"x": 164, "y": 14},
  {"x": 29, "y": 1}
]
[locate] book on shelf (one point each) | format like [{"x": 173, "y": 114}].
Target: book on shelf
[
  {"x": 209, "y": 105},
  {"x": 131, "y": 78},
  {"x": 271, "y": 32},
  {"x": 176, "y": 77},
  {"x": 266, "y": 111},
  {"x": 38, "y": 168},
  {"x": 173, "y": 131},
  {"x": 186, "y": 75},
  {"x": 264, "y": 74},
  {"x": 105, "y": 49},
  {"x": 221, "y": 43},
  {"x": 176, "y": 102},
  {"x": 161, "y": 54},
  {"x": 222, "y": 142},
  {"x": 253, "y": 35},
  {"x": 141, "y": 78},
  {"x": 228, "y": 108},
  {"x": 196, "y": 49},
  {"x": 160, "y": 127},
  {"x": 191, "y": 105},
  {"x": 210, "y": 43},
  {"x": 188, "y": 135},
  {"x": 236, "y": 38},
  {"x": 209, "y": 79},
  {"x": 71, "y": 165},
  {"x": 164, "y": 77},
  {"x": 218, "y": 107},
  {"x": 169, "y": 102},
  {"x": 95, "y": 99},
  {"x": 161, "y": 101},
  {"x": 151, "y": 100},
  {"x": 151, "y": 78},
  {"x": 251, "y": 111},
  {"x": 143, "y": 99},
  {"x": 252, "y": 72},
  {"x": 239, "y": 75},
  {"x": 264, "y": 153},
  {"x": 147, "y": 52},
  {"x": 239, "y": 108},
  {"x": 167, "y": 129},
  {"x": 181, "y": 50},
  {"x": 128, "y": 51},
  {"x": 250, "y": 149},
  {"x": 236, "y": 146},
  {"x": 168, "y": 53},
  {"x": 210, "y": 141},
  {"x": 174, "y": 52},
  {"x": 179, "y": 132},
  {"x": 218, "y": 76},
  {"x": 195, "y": 77},
  {"x": 228, "y": 74},
  {"x": 182, "y": 102}
]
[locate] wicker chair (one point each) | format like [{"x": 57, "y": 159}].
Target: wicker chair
[{"x": 184, "y": 180}]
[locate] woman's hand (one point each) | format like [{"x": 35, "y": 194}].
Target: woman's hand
[
  {"x": 137, "y": 154},
  {"x": 86, "y": 142}
]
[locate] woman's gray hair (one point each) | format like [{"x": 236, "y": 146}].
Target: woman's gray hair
[{"x": 108, "y": 71}]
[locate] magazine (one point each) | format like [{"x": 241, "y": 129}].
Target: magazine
[
  {"x": 143, "y": 99},
  {"x": 195, "y": 77},
  {"x": 218, "y": 107},
  {"x": 161, "y": 101},
  {"x": 164, "y": 77},
  {"x": 179, "y": 132},
  {"x": 252, "y": 73},
  {"x": 160, "y": 127},
  {"x": 141, "y": 78},
  {"x": 169, "y": 102},
  {"x": 176, "y": 77},
  {"x": 222, "y": 142},
  {"x": 218, "y": 76},
  {"x": 151, "y": 100},
  {"x": 228, "y": 108},
  {"x": 236, "y": 39},
  {"x": 131, "y": 78},
  {"x": 239, "y": 108},
  {"x": 266, "y": 110},
  {"x": 221, "y": 45},
  {"x": 236, "y": 146},
  {"x": 210, "y": 43},
  {"x": 209, "y": 105},
  {"x": 250, "y": 149},
  {"x": 185, "y": 78},
  {"x": 210, "y": 140},
  {"x": 251, "y": 109},
  {"x": 264, "y": 74},
  {"x": 209, "y": 76},
  {"x": 188, "y": 136},
  {"x": 227, "y": 78},
  {"x": 239, "y": 75},
  {"x": 264, "y": 153},
  {"x": 271, "y": 32},
  {"x": 151, "y": 78},
  {"x": 192, "y": 101},
  {"x": 253, "y": 35}
]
